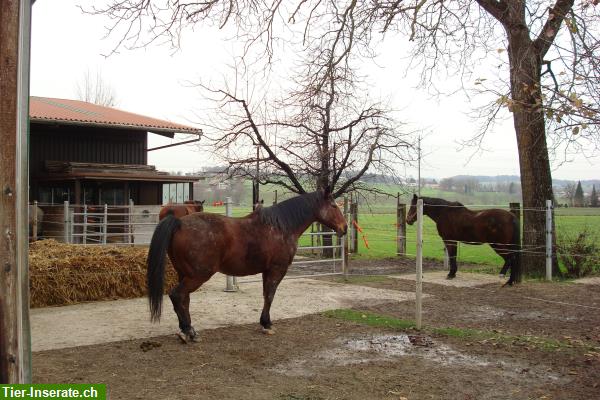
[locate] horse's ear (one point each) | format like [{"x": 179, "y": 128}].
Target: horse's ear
[
  {"x": 415, "y": 197},
  {"x": 327, "y": 191},
  {"x": 202, "y": 202}
]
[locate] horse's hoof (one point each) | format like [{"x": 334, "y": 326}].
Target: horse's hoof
[
  {"x": 502, "y": 276},
  {"x": 188, "y": 337},
  {"x": 268, "y": 331},
  {"x": 182, "y": 337},
  {"x": 450, "y": 276}
]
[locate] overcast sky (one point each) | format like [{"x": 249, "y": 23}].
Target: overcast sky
[{"x": 155, "y": 82}]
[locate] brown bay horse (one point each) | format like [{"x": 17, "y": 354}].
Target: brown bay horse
[
  {"x": 180, "y": 210},
  {"x": 456, "y": 223},
  {"x": 201, "y": 244}
]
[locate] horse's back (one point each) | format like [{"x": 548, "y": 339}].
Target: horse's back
[
  {"x": 495, "y": 225},
  {"x": 178, "y": 210},
  {"x": 234, "y": 246},
  {"x": 477, "y": 227}
]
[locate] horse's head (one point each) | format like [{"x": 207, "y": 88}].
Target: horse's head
[
  {"x": 329, "y": 213},
  {"x": 198, "y": 205},
  {"x": 411, "y": 217}
]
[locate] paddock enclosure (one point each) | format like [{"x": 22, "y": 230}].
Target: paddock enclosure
[
  {"x": 478, "y": 341},
  {"x": 354, "y": 340}
]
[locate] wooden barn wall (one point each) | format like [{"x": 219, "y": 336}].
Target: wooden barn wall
[{"x": 85, "y": 144}]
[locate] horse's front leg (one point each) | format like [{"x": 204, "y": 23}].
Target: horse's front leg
[
  {"x": 271, "y": 280},
  {"x": 451, "y": 249}
]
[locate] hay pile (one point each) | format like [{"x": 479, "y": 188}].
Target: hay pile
[{"x": 61, "y": 274}]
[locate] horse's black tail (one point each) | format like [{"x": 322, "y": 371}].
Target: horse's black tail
[
  {"x": 155, "y": 276},
  {"x": 515, "y": 265}
]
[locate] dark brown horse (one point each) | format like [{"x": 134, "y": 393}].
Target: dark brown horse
[
  {"x": 201, "y": 244},
  {"x": 180, "y": 210},
  {"x": 456, "y": 223}
]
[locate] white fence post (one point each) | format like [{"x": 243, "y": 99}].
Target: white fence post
[
  {"x": 419, "y": 277},
  {"x": 66, "y": 221},
  {"x": 85, "y": 221},
  {"x": 446, "y": 259},
  {"x": 548, "y": 240},
  {"x": 105, "y": 224},
  {"x": 71, "y": 225},
  {"x": 230, "y": 281}
]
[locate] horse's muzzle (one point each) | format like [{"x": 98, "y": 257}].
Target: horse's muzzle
[{"x": 342, "y": 231}]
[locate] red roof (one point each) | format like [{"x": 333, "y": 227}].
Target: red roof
[{"x": 46, "y": 109}]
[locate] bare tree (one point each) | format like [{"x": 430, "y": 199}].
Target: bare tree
[
  {"x": 93, "y": 89},
  {"x": 569, "y": 190},
  {"x": 447, "y": 184},
  {"x": 312, "y": 136}
]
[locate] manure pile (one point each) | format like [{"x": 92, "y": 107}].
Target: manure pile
[{"x": 61, "y": 274}]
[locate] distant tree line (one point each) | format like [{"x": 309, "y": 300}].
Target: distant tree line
[
  {"x": 577, "y": 198},
  {"x": 469, "y": 185}
]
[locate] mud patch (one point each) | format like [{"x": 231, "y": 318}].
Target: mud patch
[
  {"x": 462, "y": 280},
  {"x": 487, "y": 313},
  {"x": 591, "y": 280},
  {"x": 382, "y": 348}
]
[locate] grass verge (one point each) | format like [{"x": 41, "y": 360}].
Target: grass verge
[{"x": 528, "y": 341}]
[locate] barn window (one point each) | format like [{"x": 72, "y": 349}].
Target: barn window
[
  {"x": 176, "y": 192},
  {"x": 54, "y": 195}
]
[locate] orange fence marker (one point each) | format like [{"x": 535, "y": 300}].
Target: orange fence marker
[{"x": 364, "y": 237}]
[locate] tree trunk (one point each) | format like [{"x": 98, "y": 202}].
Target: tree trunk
[{"x": 528, "y": 118}]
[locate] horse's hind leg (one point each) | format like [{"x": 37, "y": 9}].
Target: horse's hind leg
[
  {"x": 180, "y": 297},
  {"x": 503, "y": 252},
  {"x": 271, "y": 280},
  {"x": 514, "y": 268},
  {"x": 451, "y": 248},
  {"x": 508, "y": 255}
]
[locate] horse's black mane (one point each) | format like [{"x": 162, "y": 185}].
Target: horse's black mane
[
  {"x": 434, "y": 201},
  {"x": 289, "y": 214}
]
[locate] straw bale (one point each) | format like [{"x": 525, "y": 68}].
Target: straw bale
[{"x": 61, "y": 274}]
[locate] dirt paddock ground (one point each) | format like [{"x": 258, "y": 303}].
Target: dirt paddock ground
[{"x": 480, "y": 341}]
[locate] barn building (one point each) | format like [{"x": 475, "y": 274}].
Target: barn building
[{"x": 89, "y": 154}]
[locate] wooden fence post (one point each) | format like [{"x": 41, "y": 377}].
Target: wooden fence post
[
  {"x": 515, "y": 208},
  {"x": 34, "y": 222},
  {"x": 400, "y": 227},
  {"x": 344, "y": 249},
  {"x": 15, "y": 339},
  {"x": 66, "y": 221},
  {"x": 130, "y": 237},
  {"x": 353, "y": 229}
]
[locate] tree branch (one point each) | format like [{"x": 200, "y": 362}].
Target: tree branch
[{"x": 556, "y": 16}]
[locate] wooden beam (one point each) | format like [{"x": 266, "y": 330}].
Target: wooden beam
[
  {"x": 15, "y": 356},
  {"x": 175, "y": 144}
]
